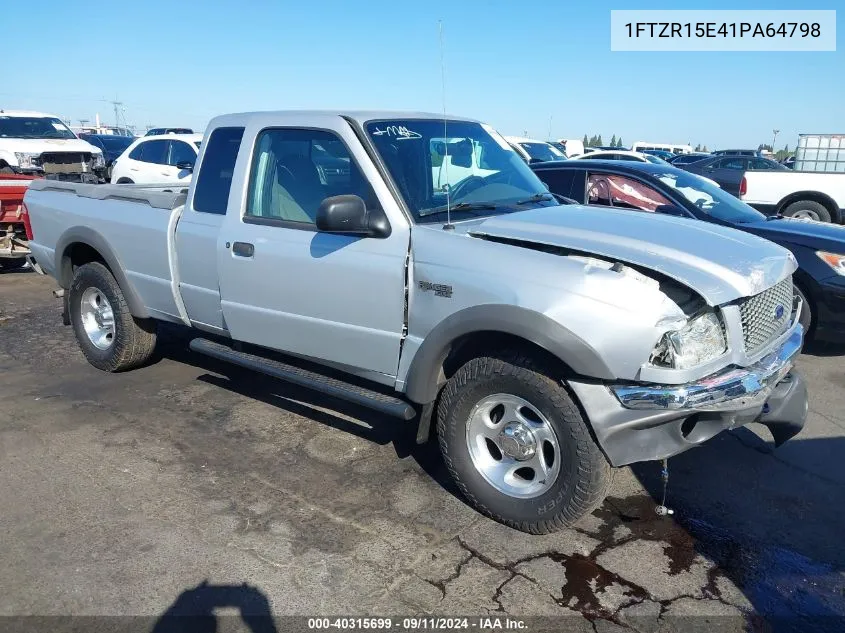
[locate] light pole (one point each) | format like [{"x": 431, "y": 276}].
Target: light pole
[{"x": 774, "y": 136}]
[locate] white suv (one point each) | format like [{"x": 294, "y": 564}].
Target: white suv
[{"x": 157, "y": 159}]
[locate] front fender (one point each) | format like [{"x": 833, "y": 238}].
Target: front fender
[
  {"x": 421, "y": 381},
  {"x": 9, "y": 158},
  {"x": 91, "y": 238}
]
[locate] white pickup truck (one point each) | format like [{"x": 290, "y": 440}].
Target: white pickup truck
[
  {"x": 798, "y": 194},
  {"x": 418, "y": 267}
]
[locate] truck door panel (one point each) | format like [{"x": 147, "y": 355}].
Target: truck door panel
[
  {"x": 198, "y": 231},
  {"x": 336, "y": 298}
]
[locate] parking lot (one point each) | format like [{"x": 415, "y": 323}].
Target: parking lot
[{"x": 121, "y": 492}]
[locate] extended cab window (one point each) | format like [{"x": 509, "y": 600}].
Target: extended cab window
[
  {"x": 619, "y": 191},
  {"x": 294, "y": 170},
  {"x": 214, "y": 180}
]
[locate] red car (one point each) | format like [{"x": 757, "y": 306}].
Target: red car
[{"x": 14, "y": 221}]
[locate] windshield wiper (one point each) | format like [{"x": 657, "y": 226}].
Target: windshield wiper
[
  {"x": 540, "y": 197},
  {"x": 461, "y": 206}
]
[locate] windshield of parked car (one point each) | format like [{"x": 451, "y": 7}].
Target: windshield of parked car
[
  {"x": 470, "y": 162},
  {"x": 655, "y": 159},
  {"x": 711, "y": 199},
  {"x": 542, "y": 151},
  {"x": 33, "y": 127},
  {"x": 115, "y": 143}
]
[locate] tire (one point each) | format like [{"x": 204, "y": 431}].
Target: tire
[
  {"x": 131, "y": 342},
  {"x": 806, "y": 318},
  {"x": 559, "y": 500},
  {"x": 808, "y": 209},
  {"x": 125, "y": 181}
]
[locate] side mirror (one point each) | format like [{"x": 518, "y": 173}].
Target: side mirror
[
  {"x": 187, "y": 165},
  {"x": 534, "y": 161},
  {"x": 348, "y": 215}
]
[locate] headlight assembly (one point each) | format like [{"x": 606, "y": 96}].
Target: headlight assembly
[
  {"x": 99, "y": 161},
  {"x": 702, "y": 339},
  {"x": 837, "y": 262},
  {"x": 27, "y": 159}
]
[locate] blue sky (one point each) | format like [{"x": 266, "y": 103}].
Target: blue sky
[{"x": 512, "y": 64}]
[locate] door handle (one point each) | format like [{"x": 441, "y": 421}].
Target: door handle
[{"x": 243, "y": 249}]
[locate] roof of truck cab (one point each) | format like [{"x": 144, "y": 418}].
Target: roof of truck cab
[
  {"x": 360, "y": 116},
  {"x": 31, "y": 113}
]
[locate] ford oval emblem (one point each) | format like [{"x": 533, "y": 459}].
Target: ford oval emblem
[{"x": 779, "y": 312}]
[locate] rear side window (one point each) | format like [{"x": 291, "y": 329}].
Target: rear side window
[
  {"x": 135, "y": 154},
  {"x": 153, "y": 152},
  {"x": 564, "y": 182},
  {"x": 211, "y": 194},
  {"x": 181, "y": 152}
]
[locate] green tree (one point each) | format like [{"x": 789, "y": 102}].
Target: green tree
[
  {"x": 599, "y": 141},
  {"x": 586, "y": 141},
  {"x": 704, "y": 149},
  {"x": 698, "y": 147},
  {"x": 619, "y": 142},
  {"x": 613, "y": 141}
]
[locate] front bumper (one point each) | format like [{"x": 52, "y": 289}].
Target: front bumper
[{"x": 635, "y": 423}]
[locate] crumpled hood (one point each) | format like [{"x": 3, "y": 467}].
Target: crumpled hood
[
  {"x": 720, "y": 263},
  {"x": 41, "y": 145}
]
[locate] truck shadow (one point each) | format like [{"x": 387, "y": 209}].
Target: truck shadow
[
  {"x": 770, "y": 519},
  {"x": 311, "y": 404},
  {"x": 193, "y": 611}
]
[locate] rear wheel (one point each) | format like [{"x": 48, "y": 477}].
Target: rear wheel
[
  {"x": 110, "y": 337},
  {"x": 517, "y": 446},
  {"x": 125, "y": 181},
  {"x": 808, "y": 209}
]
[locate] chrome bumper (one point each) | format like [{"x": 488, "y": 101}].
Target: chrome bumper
[{"x": 730, "y": 390}]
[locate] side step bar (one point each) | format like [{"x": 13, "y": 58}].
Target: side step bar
[{"x": 383, "y": 403}]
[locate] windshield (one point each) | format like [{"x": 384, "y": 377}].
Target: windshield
[
  {"x": 542, "y": 151},
  {"x": 655, "y": 159},
  {"x": 474, "y": 164},
  {"x": 710, "y": 199},
  {"x": 33, "y": 127},
  {"x": 116, "y": 143}
]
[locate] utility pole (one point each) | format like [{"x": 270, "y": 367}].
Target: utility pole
[
  {"x": 774, "y": 136},
  {"x": 549, "y": 137}
]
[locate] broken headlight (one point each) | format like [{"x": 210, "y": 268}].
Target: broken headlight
[
  {"x": 27, "y": 159},
  {"x": 702, "y": 339}
]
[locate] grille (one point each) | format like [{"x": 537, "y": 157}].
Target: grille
[
  {"x": 65, "y": 158},
  {"x": 760, "y": 321}
]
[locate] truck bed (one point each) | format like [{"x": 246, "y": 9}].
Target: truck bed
[
  {"x": 773, "y": 187},
  {"x": 136, "y": 222}
]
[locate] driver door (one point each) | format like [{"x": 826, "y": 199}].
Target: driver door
[{"x": 285, "y": 285}]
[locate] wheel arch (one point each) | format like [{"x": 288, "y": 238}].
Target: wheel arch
[
  {"x": 478, "y": 328},
  {"x": 82, "y": 245},
  {"x": 814, "y": 196}
]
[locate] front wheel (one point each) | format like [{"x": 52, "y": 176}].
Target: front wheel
[
  {"x": 517, "y": 446},
  {"x": 109, "y": 336}
]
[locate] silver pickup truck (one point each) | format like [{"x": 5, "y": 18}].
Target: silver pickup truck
[{"x": 416, "y": 266}]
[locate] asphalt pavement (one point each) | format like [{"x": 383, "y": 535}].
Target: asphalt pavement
[{"x": 192, "y": 484}]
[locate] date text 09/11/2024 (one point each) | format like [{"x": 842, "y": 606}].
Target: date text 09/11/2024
[
  {"x": 724, "y": 29},
  {"x": 483, "y": 623}
]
